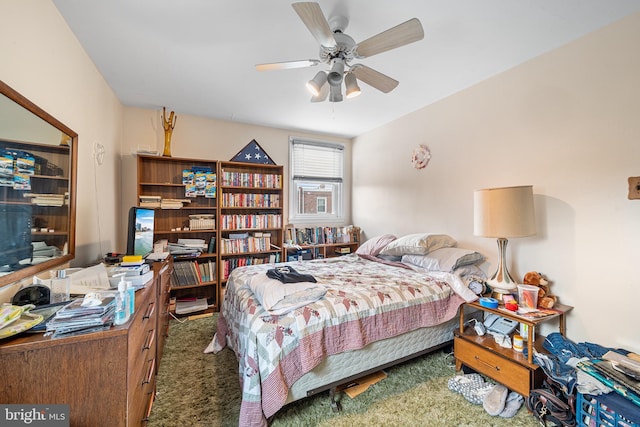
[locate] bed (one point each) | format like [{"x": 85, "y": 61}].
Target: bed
[{"x": 362, "y": 314}]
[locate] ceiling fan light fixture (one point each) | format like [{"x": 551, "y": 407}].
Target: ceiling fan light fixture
[
  {"x": 315, "y": 85},
  {"x": 337, "y": 72},
  {"x": 351, "y": 84},
  {"x": 335, "y": 93},
  {"x": 322, "y": 96}
]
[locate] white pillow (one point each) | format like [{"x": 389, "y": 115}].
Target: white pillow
[
  {"x": 444, "y": 259},
  {"x": 418, "y": 244},
  {"x": 374, "y": 245}
]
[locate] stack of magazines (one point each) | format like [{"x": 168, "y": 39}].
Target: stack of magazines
[{"x": 76, "y": 318}]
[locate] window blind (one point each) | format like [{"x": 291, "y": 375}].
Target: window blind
[{"x": 314, "y": 161}]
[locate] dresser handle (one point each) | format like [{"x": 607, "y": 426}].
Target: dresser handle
[
  {"x": 149, "y": 375},
  {"x": 497, "y": 368},
  {"x": 151, "y": 334},
  {"x": 150, "y": 309}
]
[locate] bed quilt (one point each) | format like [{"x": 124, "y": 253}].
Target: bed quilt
[{"x": 365, "y": 301}]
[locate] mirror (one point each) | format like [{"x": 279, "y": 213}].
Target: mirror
[{"x": 38, "y": 157}]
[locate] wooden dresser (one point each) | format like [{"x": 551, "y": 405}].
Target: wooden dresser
[{"x": 107, "y": 378}]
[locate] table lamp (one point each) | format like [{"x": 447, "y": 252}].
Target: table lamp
[{"x": 503, "y": 213}]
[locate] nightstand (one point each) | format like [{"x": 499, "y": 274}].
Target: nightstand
[{"x": 504, "y": 365}]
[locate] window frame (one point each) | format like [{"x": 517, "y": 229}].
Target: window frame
[{"x": 338, "y": 202}]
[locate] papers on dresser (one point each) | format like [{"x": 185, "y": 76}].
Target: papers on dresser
[
  {"x": 82, "y": 280},
  {"x": 75, "y": 318}
]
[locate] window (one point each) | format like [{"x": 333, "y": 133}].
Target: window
[
  {"x": 321, "y": 203},
  {"x": 316, "y": 181}
]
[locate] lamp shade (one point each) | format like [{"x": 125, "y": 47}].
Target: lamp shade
[
  {"x": 316, "y": 84},
  {"x": 504, "y": 212}
]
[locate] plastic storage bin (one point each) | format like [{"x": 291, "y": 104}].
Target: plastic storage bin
[{"x": 610, "y": 410}]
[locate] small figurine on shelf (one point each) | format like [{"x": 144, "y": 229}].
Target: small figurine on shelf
[{"x": 168, "y": 129}]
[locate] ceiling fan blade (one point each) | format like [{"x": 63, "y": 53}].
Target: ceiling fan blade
[
  {"x": 287, "y": 65},
  {"x": 400, "y": 35},
  {"x": 374, "y": 78},
  {"x": 314, "y": 19}
]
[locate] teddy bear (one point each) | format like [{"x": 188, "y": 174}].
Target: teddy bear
[{"x": 545, "y": 298}]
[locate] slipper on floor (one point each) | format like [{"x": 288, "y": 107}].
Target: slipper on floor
[
  {"x": 476, "y": 394},
  {"x": 459, "y": 382},
  {"x": 512, "y": 405},
  {"x": 494, "y": 401}
]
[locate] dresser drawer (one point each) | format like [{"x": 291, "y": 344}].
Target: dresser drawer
[
  {"x": 143, "y": 389},
  {"x": 507, "y": 372}
]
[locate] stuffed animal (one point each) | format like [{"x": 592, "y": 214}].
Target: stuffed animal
[{"x": 545, "y": 298}]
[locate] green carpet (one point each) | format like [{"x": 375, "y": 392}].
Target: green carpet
[{"x": 197, "y": 389}]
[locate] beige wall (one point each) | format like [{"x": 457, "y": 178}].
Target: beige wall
[
  {"x": 567, "y": 122},
  {"x": 202, "y": 138},
  {"x": 42, "y": 59}
]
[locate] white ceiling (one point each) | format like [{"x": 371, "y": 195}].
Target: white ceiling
[{"x": 197, "y": 57}]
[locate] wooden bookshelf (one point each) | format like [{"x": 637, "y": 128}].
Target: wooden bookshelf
[
  {"x": 162, "y": 179},
  {"x": 250, "y": 215}
]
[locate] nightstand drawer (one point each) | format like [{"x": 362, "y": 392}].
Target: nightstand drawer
[{"x": 514, "y": 376}]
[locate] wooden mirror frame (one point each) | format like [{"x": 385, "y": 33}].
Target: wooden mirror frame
[{"x": 73, "y": 143}]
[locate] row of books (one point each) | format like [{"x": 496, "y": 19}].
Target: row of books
[
  {"x": 250, "y": 200},
  {"x": 228, "y": 265},
  {"x": 237, "y": 222},
  {"x": 252, "y": 180},
  {"x": 247, "y": 244},
  {"x": 322, "y": 235},
  {"x": 153, "y": 202},
  {"x": 48, "y": 199},
  {"x": 187, "y": 273}
]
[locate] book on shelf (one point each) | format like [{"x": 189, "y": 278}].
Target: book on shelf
[
  {"x": 199, "y": 244},
  {"x": 173, "y": 203},
  {"x": 190, "y": 305},
  {"x": 186, "y": 273},
  {"x": 538, "y": 313},
  {"x": 150, "y": 201}
]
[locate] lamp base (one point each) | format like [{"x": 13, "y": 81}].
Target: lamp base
[
  {"x": 499, "y": 295},
  {"x": 501, "y": 282}
]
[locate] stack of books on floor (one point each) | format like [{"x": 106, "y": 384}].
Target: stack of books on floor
[{"x": 76, "y": 318}]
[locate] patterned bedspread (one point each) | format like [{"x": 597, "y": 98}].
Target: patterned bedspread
[{"x": 365, "y": 301}]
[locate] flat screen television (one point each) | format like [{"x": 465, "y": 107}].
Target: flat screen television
[{"x": 140, "y": 231}]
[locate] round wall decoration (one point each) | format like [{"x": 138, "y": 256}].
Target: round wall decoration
[{"x": 421, "y": 156}]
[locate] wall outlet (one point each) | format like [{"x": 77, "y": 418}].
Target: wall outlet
[{"x": 634, "y": 187}]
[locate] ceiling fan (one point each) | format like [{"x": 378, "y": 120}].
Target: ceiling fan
[{"x": 339, "y": 50}]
